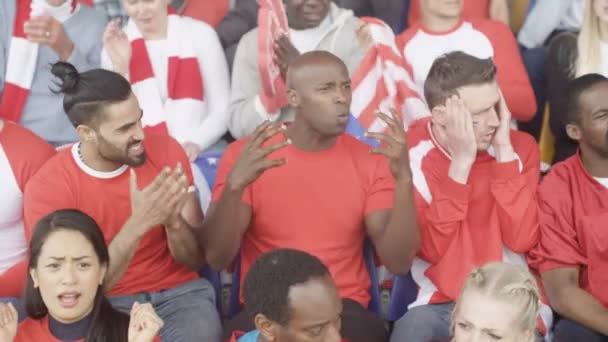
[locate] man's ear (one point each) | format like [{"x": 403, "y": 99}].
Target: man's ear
[
  {"x": 86, "y": 133},
  {"x": 293, "y": 98},
  {"x": 573, "y": 131},
  {"x": 439, "y": 115},
  {"x": 266, "y": 327}
]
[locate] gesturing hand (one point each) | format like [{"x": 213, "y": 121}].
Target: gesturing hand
[
  {"x": 8, "y": 322},
  {"x": 395, "y": 145},
  {"x": 117, "y": 46},
  {"x": 144, "y": 324},
  {"x": 49, "y": 31},
  {"x": 459, "y": 133},
  {"x": 253, "y": 161},
  {"x": 284, "y": 53},
  {"x": 156, "y": 203}
]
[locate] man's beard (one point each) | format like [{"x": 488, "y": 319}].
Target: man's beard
[{"x": 116, "y": 155}]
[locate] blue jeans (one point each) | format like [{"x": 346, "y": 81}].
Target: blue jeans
[
  {"x": 424, "y": 323},
  {"x": 188, "y": 311},
  {"x": 18, "y": 304},
  {"x": 566, "y": 330}
]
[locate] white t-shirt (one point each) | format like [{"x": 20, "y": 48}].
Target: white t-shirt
[
  {"x": 603, "y": 181},
  {"x": 604, "y": 58}
]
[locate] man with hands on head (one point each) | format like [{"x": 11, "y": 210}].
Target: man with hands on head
[
  {"x": 475, "y": 182},
  {"x": 310, "y": 186}
]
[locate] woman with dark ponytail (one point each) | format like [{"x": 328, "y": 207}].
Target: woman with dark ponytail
[{"x": 64, "y": 296}]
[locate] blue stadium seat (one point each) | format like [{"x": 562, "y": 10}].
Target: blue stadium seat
[
  {"x": 403, "y": 294},
  {"x": 375, "y": 304},
  {"x": 216, "y": 281}
]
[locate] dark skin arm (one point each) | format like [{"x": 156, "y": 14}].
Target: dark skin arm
[
  {"x": 572, "y": 302},
  {"x": 228, "y": 218},
  {"x": 394, "y": 232}
]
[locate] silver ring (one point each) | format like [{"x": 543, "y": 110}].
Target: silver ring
[{"x": 47, "y": 34}]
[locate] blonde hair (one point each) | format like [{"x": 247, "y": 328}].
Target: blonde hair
[
  {"x": 508, "y": 283},
  {"x": 589, "y": 56}
]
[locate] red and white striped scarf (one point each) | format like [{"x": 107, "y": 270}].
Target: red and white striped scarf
[
  {"x": 382, "y": 82},
  {"x": 184, "y": 105},
  {"x": 21, "y": 63}
]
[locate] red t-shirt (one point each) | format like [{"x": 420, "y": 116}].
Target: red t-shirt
[
  {"x": 317, "y": 203},
  {"x": 472, "y": 9},
  {"x": 573, "y": 218},
  {"x": 66, "y": 182},
  {"x": 22, "y": 153},
  {"x": 38, "y": 330}
]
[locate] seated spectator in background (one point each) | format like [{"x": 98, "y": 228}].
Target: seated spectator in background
[
  {"x": 473, "y": 9},
  {"x": 64, "y": 296},
  {"x": 310, "y": 186},
  {"x": 313, "y": 25},
  {"x": 548, "y": 17},
  {"x": 475, "y": 182},
  {"x": 572, "y": 56},
  {"x": 33, "y": 35},
  {"x": 135, "y": 188},
  {"x": 243, "y": 17},
  {"x": 573, "y": 198},
  {"x": 443, "y": 29},
  {"x": 22, "y": 153},
  {"x": 210, "y": 11},
  {"x": 499, "y": 301},
  {"x": 291, "y": 297},
  {"x": 177, "y": 70}
]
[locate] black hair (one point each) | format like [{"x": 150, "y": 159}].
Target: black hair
[
  {"x": 454, "y": 70},
  {"x": 107, "y": 324},
  {"x": 87, "y": 93},
  {"x": 576, "y": 88},
  {"x": 267, "y": 284}
]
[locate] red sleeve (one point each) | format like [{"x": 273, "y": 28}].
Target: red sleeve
[
  {"x": 558, "y": 246},
  {"x": 12, "y": 281},
  {"x": 440, "y": 220},
  {"x": 511, "y": 74},
  {"x": 380, "y": 195},
  {"x": 46, "y": 192},
  {"x": 515, "y": 194},
  {"x": 224, "y": 168},
  {"x": 26, "y": 152}
]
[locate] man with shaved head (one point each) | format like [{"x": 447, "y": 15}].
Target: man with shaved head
[{"x": 309, "y": 186}]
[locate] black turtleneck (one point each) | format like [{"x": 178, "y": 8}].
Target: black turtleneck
[{"x": 69, "y": 332}]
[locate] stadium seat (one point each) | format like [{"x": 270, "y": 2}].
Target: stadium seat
[
  {"x": 214, "y": 278},
  {"x": 375, "y": 304},
  {"x": 403, "y": 294}
]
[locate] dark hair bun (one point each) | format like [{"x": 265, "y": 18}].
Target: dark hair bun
[{"x": 68, "y": 75}]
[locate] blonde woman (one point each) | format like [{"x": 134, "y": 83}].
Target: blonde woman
[
  {"x": 499, "y": 301},
  {"x": 572, "y": 55}
]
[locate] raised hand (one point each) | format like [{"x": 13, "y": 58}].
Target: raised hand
[
  {"x": 459, "y": 133},
  {"x": 364, "y": 36},
  {"x": 144, "y": 324},
  {"x": 157, "y": 203},
  {"x": 252, "y": 161},
  {"x": 284, "y": 53},
  {"x": 49, "y": 31},
  {"x": 117, "y": 46},
  {"x": 394, "y": 145},
  {"x": 8, "y": 322},
  {"x": 192, "y": 150},
  {"x": 503, "y": 133}
]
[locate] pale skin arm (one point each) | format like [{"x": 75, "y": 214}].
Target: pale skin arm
[
  {"x": 499, "y": 11},
  {"x": 572, "y": 302}
]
